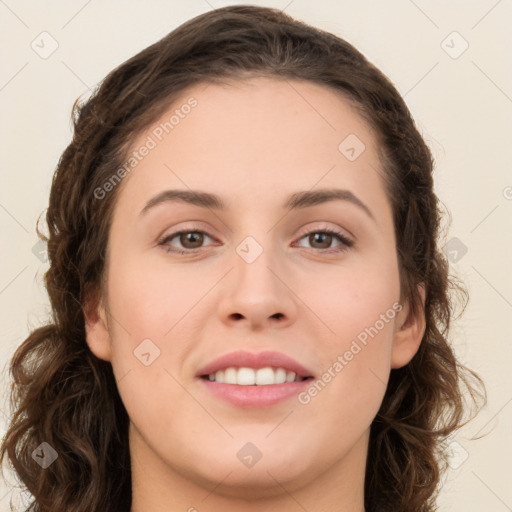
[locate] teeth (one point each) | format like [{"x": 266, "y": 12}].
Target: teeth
[
  {"x": 229, "y": 375},
  {"x": 280, "y": 375},
  {"x": 250, "y": 377},
  {"x": 265, "y": 376},
  {"x": 244, "y": 377}
]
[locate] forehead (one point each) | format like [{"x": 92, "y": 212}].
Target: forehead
[{"x": 259, "y": 139}]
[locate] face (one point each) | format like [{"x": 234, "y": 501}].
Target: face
[{"x": 308, "y": 295}]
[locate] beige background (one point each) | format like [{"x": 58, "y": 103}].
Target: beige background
[{"x": 462, "y": 104}]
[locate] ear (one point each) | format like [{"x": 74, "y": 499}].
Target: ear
[
  {"x": 409, "y": 333},
  {"x": 96, "y": 328}
]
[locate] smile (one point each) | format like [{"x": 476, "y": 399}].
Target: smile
[{"x": 254, "y": 377}]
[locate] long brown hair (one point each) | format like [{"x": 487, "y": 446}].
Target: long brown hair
[{"x": 64, "y": 396}]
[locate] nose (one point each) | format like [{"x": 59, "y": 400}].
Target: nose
[{"x": 258, "y": 294}]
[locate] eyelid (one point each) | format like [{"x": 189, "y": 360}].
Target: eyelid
[
  {"x": 346, "y": 241},
  {"x": 329, "y": 229},
  {"x": 174, "y": 234},
  {"x": 186, "y": 229}
]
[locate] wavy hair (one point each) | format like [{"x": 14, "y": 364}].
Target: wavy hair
[{"x": 63, "y": 395}]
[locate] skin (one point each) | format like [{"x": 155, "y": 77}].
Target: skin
[{"x": 253, "y": 143}]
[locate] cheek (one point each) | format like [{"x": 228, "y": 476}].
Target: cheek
[
  {"x": 148, "y": 300},
  {"x": 348, "y": 393},
  {"x": 155, "y": 308},
  {"x": 360, "y": 308},
  {"x": 353, "y": 297}
]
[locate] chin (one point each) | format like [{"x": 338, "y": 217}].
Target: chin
[
  {"x": 259, "y": 482},
  {"x": 251, "y": 474}
]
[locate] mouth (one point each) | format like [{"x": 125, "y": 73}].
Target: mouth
[
  {"x": 257, "y": 380},
  {"x": 244, "y": 376}
]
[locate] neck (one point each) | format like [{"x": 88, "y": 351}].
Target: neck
[{"x": 158, "y": 487}]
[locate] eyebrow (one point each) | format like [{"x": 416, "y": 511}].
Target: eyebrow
[{"x": 295, "y": 201}]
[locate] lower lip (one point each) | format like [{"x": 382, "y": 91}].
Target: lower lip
[{"x": 255, "y": 396}]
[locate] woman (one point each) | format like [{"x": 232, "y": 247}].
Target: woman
[{"x": 252, "y": 369}]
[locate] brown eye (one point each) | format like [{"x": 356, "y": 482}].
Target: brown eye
[
  {"x": 188, "y": 240},
  {"x": 191, "y": 239},
  {"x": 323, "y": 239}
]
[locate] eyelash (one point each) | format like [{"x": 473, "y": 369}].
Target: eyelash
[{"x": 346, "y": 242}]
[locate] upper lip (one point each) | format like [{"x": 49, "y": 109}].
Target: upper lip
[{"x": 255, "y": 360}]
